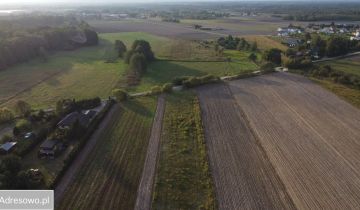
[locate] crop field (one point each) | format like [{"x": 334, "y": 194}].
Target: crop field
[
  {"x": 183, "y": 179},
  {"x": 266, "y": 42},
  {"x": 110, "y": 177},
  {"x": 244, "y": 177},
  {"x": 310, "y": 136},
  {"x": 348, "y": 65}
]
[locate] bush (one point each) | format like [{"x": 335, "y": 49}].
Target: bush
[
  {"x": 156, "y": 90},
  {"x": 179, "y": 80},
  {"x": 88, "y": 103},
  {"x": 5, "y": 138},
  {"x": 22, "y": 126},
  {"x": 192, "y": 82},
  {"x": 120, "y": 95},
  {"x": 22, "y": 108},
  {"x": 6, "y": 115},
  {"x": 267, "y": 67},
  {"x": 167, "y": 88}
]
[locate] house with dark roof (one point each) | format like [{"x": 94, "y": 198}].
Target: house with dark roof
[
  {"x": 49, "y": 148},
  {"x": 83, "y": 118}
]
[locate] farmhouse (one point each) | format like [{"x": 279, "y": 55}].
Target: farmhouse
[
  {"x": 49, "y": 148},
  {"x": 7, "y": 147},
  {"x": 292, "y": 42}
]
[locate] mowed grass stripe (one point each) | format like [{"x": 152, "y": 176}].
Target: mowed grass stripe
[
  {"x": 110, "y": 178},
  {"x": 183, "y": 179}
]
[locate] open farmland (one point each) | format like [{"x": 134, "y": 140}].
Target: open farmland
[
  {"x": 310, "y": 136},
  {"x": 110, "y": 177},
  {"x": 183, "y": 180},
  {"x": 243, "y": 175},
  {"x": 78, "y": 74}
]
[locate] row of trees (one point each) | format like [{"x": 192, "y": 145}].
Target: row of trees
[
  {"x": 334, "y": 46},
  {"x": 137, "y": 57},
  {"x": 19, "y": 48},
  {"x": 236, "y": 43}
]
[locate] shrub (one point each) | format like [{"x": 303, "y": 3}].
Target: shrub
[
  {"x": 179, "y": 80},
  {"x": 192, "y": 82},
  {"x": 167, "y": 88},
  {"x": 88, "y": 103},
  {"x": 22, "y": 126},
  {"x": 5, "y": 139},
  {"x": 6, "y": 115},
  {"x": 120, "y": 95},
  {"x": 156, "y": 89},
  {"x": 22, "y": 108},
  {"x": 267, "y": 67}
]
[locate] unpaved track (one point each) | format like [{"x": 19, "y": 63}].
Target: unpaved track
[
  {"x": 82, "y": 156},
  {"x": 144, "y": 194},
  {"x": 243, "y": 176},
  {"x": 311, "y": 137}
]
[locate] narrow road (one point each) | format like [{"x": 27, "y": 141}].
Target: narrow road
[
  {"x": 144, "y": 195},
  {"x": 82, "y": 156},
  {"x": 337, "y": 58}
]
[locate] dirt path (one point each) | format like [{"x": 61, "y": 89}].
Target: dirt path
[
  {"x": 144, "y": 195},
  {"x": 81, "y": 158},
  {"x": 243, "y": 175}
]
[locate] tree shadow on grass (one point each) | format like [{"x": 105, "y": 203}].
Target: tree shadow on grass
[{"x": 139, "y": 108}]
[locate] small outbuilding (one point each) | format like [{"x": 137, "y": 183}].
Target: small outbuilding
[{"x": 8, "y": 147}]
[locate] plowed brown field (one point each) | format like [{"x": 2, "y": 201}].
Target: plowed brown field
[
  {"x": 308, "y": 140},
  {"x": 243, "y": 176}
]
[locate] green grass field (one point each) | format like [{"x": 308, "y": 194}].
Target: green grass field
[
  {"x": 110, "y": 177},
  {"x": 348, "y": 65},
  {"x": 77, "y": 74},
  {"x": 83, "y": 73},
  {"x": 161, "y": 72},
  {"x": 183, "y": 179}
]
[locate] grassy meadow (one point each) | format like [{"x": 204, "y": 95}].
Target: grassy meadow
[
  {"x": 348, "y": 65},
  {"x": 183, "y": 179},
  {"x": 84, "y": 73}
]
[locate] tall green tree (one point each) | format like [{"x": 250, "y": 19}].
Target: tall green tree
[{"x": 120, "y": 48}]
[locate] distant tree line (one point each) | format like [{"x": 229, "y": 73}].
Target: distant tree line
[{"x": 22, "y": 47}]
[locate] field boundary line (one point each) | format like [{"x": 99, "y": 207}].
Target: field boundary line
[
  {"x": 4, "y": 101},
  {"x": 80, "y": 159},
  {"x": 258, "y": 143},
  {"x": 146, "y": 186}
]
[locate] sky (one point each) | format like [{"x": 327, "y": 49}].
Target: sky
[{"x": 10, "y": 2}]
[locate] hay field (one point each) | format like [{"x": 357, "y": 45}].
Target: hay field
[{"x": 310, "y": 136}]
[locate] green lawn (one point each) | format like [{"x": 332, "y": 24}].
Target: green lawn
[
  {"x": 161, "y": 72},
  {"x": 110, "y": 177},
  {"x": 183, "y": 179},
  {"x": 348, "y": 65}
]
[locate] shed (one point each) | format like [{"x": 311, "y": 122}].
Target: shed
[{"x": 8, "y": 146}]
